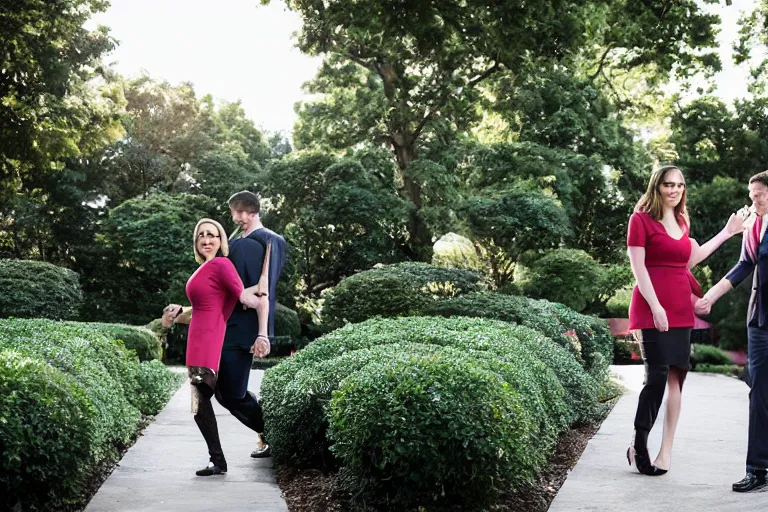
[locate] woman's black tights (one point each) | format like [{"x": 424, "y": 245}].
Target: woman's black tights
[{"x": 206, "y": 422}]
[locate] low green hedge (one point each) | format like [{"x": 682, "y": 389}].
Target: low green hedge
[
  {"x": 44, "y": 432},
  {"x": 111, "y": 391},
  {"x": 431, "y": 431},
  {"x": 141, "y": 340},
  {"x": 707, "y": 354},
  {"x": 587, "y": 338},
  {"x": 35, "y": 289},
  {"x": 394, "y": 290},
  {"x": 550, "y": 388},
  {"x": 733, "y": 370}
]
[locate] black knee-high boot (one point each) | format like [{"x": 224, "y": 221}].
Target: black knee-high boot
[
  {"x": 648, "y": 407},
  {"x": 206, "y": 422}
]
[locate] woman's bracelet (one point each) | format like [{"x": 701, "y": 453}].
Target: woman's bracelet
[{"x": 263, "y": 336}]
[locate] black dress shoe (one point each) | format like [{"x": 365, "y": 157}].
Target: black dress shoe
[
  {"x": 752, "y": 481},
  {"x": 211, "y": 469},
  {"x": 637, "y": 453},
  {"x": 262, "y": 453}
]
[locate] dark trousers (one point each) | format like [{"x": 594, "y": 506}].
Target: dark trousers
[
  {"x": 651, "y": 396},
  {"x": 206, "y": 422},
  {"x": 757, "y": 447},
  {"x": 232, "y": 388}
]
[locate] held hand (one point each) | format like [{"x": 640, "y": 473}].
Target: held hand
[
  {"x": 702, "y": 307},
  {"x": 170, "y": 312},
  {"x": 660, "y": 319},
  {"x": 734, "y": 225},
  {"x": 261, "y": 347}
]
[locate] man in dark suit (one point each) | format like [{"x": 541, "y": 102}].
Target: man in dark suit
[
  {"x": 754, "y": 257},
  {"x": 252, "y": 246}
]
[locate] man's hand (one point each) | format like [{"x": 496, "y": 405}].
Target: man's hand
[
  {"x": 170, "y": 312},
  {"x": 261, "y": 347},
  {"x": 702, "y": 307},
  {"x": 254, "y": 301}
]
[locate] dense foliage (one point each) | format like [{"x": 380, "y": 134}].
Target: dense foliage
[
  {"x": 81, "y": 394},
  {"x": 395, "y": 290},
  {"x": 35, "y": 289},
  {"x": 425, "y": 366}
]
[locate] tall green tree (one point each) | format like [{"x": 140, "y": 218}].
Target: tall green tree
[
  {"x": 47, "y": 110},
  {"x": 340, "y": 215},
  {"x": 504, "y": 227},
  {"x": 394, "y": 72},
  {"x": 416, "y": 63},
  {"x": 142, "y": 257}
]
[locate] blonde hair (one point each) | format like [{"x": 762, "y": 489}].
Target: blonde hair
[
  {"x": 651, "y": 202},
  {"x": 224, "y": 249}
]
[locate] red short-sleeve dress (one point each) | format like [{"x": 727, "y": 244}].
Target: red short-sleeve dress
[
  {"x": 213, "y": 291},
  {"x": 667, "y": 262}
]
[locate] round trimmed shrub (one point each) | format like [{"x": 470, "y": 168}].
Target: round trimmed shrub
[
  {"x": 294, "y": 401},
  {"x": 109, "y": 375},
  {"x": 43, "y": 433},
  {"x": 157, "y": 386},
  {"x": 141, "y": 340},
  {"x": 568, "y": 276},
  {"x": 35, "y": 289},
  {"x": 395, "y": 290},
  {"x": 707, "y": 354},
  {"x": 594, "y": 334},
  {"x": 429, "y": 431},
  {"x": 581, "y": 389},
  {"x": 587, "y": 338},
  {"x": 287, "y": 322},
  {"x": 110, "y": 385},
  {"x": 552, "y": 385},
  {"x": 508, "y": 308}
]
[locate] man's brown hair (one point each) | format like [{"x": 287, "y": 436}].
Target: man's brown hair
[
  {"x": 761, "y": 177},
  {"x": 246, "y": 201}
]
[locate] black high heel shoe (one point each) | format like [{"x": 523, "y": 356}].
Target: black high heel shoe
[{"x": 641, "y": 458}]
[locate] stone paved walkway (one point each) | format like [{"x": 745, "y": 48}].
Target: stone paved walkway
[
  {"x": 709, "y": 452},
  {"x": 158, "y": 473}
]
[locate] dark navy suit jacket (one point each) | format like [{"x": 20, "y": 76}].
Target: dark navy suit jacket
[
  {"x": 757, "y": 315},
  {"x": 247, "y": 255}
]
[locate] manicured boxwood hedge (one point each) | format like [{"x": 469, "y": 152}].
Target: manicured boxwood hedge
[
  {"x": 78, "y": 388},
  {"x": 707, "y": 354},
  {"x": 587, "y": 338},
  {"x": 141, "y": 340},
  {"x": 34, "y": 289},
  {"x": 402, "y": 289},
  {"x": 386, "y": 398}
]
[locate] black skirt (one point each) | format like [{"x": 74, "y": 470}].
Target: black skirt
[{"x": 672, "y": 348}]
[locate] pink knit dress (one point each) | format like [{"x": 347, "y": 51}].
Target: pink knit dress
[{"x": 213, "y": 291}]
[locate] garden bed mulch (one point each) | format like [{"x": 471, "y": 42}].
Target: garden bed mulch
[{"x": 315, "y": 491}]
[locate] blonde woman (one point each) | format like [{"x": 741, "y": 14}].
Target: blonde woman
[
  {"x": 213, "y": 291},
  {"x": 661, "y": 312}
]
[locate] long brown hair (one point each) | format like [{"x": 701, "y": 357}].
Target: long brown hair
[{"x": 651, "y": 202}]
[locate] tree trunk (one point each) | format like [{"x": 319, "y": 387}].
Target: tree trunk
[{"x": 420, "y": 237}]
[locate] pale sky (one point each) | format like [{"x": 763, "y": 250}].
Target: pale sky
[
  {"x": 239, "y": 49},
  {"x": 232, "y": 49}
]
